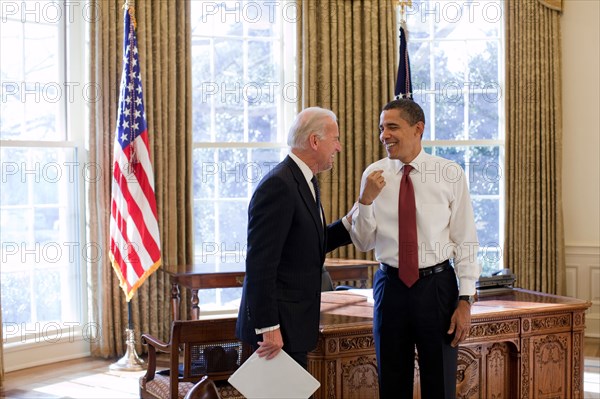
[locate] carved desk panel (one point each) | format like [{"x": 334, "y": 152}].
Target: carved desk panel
[{"x": 522, "y": 344}]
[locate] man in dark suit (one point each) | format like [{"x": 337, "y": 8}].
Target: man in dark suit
[{"x": 287, "y": 242}]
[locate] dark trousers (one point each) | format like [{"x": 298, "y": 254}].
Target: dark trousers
[{"x": 417, "y": 316}]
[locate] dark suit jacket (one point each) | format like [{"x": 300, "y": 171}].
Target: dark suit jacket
[{"x": 285, "y": 254}]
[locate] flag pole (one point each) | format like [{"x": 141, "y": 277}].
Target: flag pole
[{"x": 130, "y": 361}]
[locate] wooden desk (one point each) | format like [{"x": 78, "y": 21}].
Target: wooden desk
[
  {"x": 209, "y": 275},
  {"x": 522, "y": 344}
]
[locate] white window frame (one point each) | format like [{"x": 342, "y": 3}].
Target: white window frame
[{"x": 69, "y": 339}]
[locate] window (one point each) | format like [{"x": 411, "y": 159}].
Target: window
[
  {"x": 243, "y": 58},
  {"x": 456, "y": 53},
  {"x": 41, "y": 163}
]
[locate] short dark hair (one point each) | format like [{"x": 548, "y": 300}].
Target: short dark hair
[{"x": 410, "y": 110}]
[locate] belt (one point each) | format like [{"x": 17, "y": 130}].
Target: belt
[{"x": 424, "y": 272}]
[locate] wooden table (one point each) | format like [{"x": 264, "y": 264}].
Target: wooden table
[
  {"x": 522, "y": 344},
  {"x": 210, "y": 275}
]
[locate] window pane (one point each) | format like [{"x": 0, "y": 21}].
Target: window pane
[
  {"x": 205, "y": 88},
  {"x": 232, "y": 164},
  {"x": 48, "y": 299},
  {"x": 484, "y": 117},
  {"x": 418, "y": 21},
  {"x": 32, "y": 87},
  {"x": 229, "y": 122},
  {"x": 39, "y": 234},
  {"x": 483, "y": 63},
  {"x": 262, "y": 61},
  {"x": 490, "y": 259},
  {"x": 224, "y": 180},
  {"x": 11, "y": 51},
  {"x": 14, "y": 223},
  {"x": 487, "y": 221},
  {"x": 233, "y": 222},
  {"x": 427, "y": 103},
  {"x": 473, "y": 20},
  {"x": 456, "y": 154},
  {"x": 420, "y": 69},
  {"x": 206, "y": 172},
  {"x": 449, "y": 115},
  {"x": 213, "y": 299},
  {"x": 484, "y": 170},
  {"x": 40, "y": 53},
  {"x": 46, "y": 225},
  {"x": 262, "y": 124},
  {"x": 260, "y": 18},
  {"x": 16, "y": 296},
  {"x": 49, "y": 171},
  {"x": 14, "y": 182},
  {"x": 450, "y": 64},
  {"x": 204, "y": 227},
  {"x": 229, "y": 61}
]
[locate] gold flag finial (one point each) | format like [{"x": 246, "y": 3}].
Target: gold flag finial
[
  {"x": 131, "y": 10},
  {"x": 403, "y": 4}
]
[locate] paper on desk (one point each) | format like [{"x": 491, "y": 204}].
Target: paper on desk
[
  {"x": 366, "y": 292},
  {"x": 280, "y": 377}
]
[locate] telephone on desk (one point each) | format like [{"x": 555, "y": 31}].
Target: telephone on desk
[{"x": 499, "y": 281}]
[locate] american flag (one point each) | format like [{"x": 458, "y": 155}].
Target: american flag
[
  {"x": 134, "y": 237},
  {"x": 403, "y": 80}
]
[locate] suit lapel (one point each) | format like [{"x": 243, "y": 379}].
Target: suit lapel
[{"x": 308, "y": 199}]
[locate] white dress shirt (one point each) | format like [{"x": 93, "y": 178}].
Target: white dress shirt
[{"x": 445, "y": 222}]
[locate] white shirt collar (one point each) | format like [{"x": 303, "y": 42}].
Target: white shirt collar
[
  {"x": 308, "y": 174},
  {"x": 415, "y": 163}
]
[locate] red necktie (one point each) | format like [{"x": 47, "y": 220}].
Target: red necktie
[{"x": 408, "y": 248}]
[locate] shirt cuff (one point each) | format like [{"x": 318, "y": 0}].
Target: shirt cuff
[
  {"x": 266, "y": 329},
  {"x": 466, "y": 287},
  {"x": 346, "y": 223}
]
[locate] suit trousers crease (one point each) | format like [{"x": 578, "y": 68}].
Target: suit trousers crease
[{"x": 418, "y": 316}]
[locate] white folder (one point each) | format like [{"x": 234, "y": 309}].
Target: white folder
[{"x": 278, "y": 378}]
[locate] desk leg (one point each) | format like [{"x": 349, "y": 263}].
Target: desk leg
[
  {"x": 195, "y": 310},
  {"x": 175, "y": 299}
]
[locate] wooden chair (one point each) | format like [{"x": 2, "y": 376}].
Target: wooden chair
[{"x": 197, "y": 348}]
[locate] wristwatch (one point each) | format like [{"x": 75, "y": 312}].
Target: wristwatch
[{"x": 468, "y": 298}]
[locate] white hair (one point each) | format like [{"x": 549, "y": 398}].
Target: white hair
[{"x": 308, "y": 121}]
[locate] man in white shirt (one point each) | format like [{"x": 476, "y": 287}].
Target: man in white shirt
[{"x": 425, "y": 311}]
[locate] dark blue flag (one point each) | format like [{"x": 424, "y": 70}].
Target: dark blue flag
[{"x": 404, "y": 81}]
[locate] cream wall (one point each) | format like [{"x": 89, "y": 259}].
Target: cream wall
[{"x": 580, "y": 24}]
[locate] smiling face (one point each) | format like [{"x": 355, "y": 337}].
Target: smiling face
[
  {"x": 401, "y": 139},
  {"x": 328, "y": 146}
]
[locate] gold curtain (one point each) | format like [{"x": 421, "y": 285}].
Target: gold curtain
[
  {"x": 534, "y": 246},
  {"x": 164, "y": 44},
  {"x": 347, "y": 61}
]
